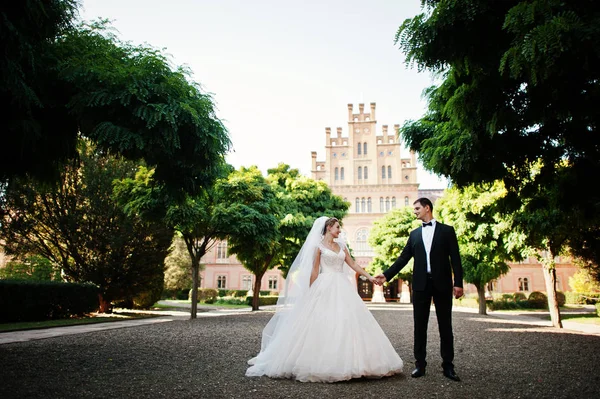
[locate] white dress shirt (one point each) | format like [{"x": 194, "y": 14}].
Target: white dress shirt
[{"x": 427, "y": 233}]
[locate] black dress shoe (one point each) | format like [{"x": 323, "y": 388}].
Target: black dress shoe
[
  {"x": 418, "y": 372},
  {"x": 450, "y": 373}
]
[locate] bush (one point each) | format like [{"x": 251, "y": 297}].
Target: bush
[
  {"x": 561, "y": 298},
  {"x": 538, "y": 300},
  {"x": 263, "y": 300},
  {"x": 574, "y": 298},
  {"x": 502, "y": 305},
  {"x": 205, "y": 295},
  {"x": 237, "y": 293},
  {"x": 231, "y": 301},
  {"x": 44, "y": 300},
  {"x": 519, "y": 296},
  {"x": 222, "y": 293},
  {"x": 507, "y": 297},
  {"x": 598, "y": 309}
]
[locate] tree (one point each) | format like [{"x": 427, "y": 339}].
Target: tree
[
  {"x": 487, "y": 240},
  {"x": 62, "y": 81},
  {"x": 79, "y": 226},
  {"x": 583, "y": 283},
  {"x": 302, "y": 200},
  {"x": 251, "y": 213},
  {"x": 178, "y": 272},
  {"x": 519, "y": 81},
  {"x": 196, "y": 218},
  {"x": 388, "y": 237}
]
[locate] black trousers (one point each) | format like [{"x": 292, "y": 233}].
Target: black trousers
[{"x": 443, "y": 311}]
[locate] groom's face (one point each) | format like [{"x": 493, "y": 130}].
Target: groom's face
[{"x": 420, "y": 211}]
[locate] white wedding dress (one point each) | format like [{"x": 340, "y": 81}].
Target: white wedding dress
[{"x": 332, "y": 337}]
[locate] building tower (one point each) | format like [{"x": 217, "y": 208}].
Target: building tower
[{"x": 367, "y": 169}]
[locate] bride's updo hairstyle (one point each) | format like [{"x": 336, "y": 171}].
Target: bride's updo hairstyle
[{"x": 329, "y": 222}]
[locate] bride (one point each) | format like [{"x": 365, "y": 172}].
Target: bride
[{"x": 322, "y": 331}]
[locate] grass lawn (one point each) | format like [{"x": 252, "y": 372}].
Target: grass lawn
[
  {"x": 31, "y": 325},
  {"x": 582, "y": 318}
]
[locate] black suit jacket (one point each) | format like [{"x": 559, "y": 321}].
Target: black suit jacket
[{"x": 444, "y": 256}]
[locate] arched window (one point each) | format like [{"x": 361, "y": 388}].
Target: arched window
[
  {"x": 381, "y": 209},
  {"x": 523, "y": 284},
  {"x": 369, "y": 205},
  {"x": 359, "y": 149},
  {"x": 387, "y": 204},
  {"x": 393, "y": 202},
  {"x": 222, "y": 250},
  {"x": 361, "y": 247},
  {"x": 365, "y": 148},
  {"x": 383, "y": 172},
  {"x": 389, "y": 172},
  {"x": 360, "y": 173},
  {"x": 337, "y": 173},
  {"x": 405, "y": 201},
  {"x": 357, "y": 205},
  {"x": 342, "y": 173},
  {"x": 362, "y": 203},
  {"x": 366, "y": 173}
]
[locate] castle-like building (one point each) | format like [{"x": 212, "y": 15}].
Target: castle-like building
[{"x": 368, "y": 168}]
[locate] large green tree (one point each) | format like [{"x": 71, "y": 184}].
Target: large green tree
[
  {"x": 195, "y": 217},
  {"x": 61, "y": 81},
  {"x": 251, "y": 212},
  {"x": 516, "y": 101},
  {"x": 388, "y": 237},
  {"x": 78, "y": 225},
  {"x": 487, "y": 240},
  {"x": 302, "y": 200}
]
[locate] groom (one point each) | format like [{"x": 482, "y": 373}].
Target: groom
[{"x": 434, "y": 248}]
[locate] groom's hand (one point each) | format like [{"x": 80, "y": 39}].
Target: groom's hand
[{"x": 458, "y": 292}]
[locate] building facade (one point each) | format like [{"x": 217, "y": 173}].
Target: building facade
[{"x": 367, "y": 167}]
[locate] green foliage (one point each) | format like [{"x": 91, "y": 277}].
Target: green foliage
[
  {"x": 519, "y": 81},
  {"x": 300, "y": 201},
  {"x": 487, "y": 239},
  {"x": 538, "y": 300},
  {"x": 582, "y": 282},
  {"x": 263, "y": 300},
  {"x": 561, "y": 298},
  {"x": 519, "y": 296},
  {"x": 63, "y": 80},
  {"x": 34, "y": 268},
  {"x": 597, "y": 305},
  {"x": 388, "y": 237},
  {"x": 43, "y": 300},
  {"x": 79, "y": 226},
  {"x": 205, "y": 294},
  {"x": 178, "y": 267}
]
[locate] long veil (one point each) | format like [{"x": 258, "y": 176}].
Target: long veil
[{"x": 297, "y": 284}]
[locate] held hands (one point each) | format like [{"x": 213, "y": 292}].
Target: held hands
[{"x": 379, "y": 279}]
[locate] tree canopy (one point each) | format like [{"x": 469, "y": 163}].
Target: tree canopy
[
  {"x": 79, "y": 226},
  {"x": 63, "y": 79},
  {"x": 519, "y": 84}
]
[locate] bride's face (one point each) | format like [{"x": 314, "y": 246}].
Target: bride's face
[{"x": 335, "y": 230}]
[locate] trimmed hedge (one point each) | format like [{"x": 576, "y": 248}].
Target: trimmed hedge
[
  {"x": 44, "y": 300},
  {"x": 263, "y": 300}
]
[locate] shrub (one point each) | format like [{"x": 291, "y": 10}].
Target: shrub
[
  {"x": 538, "y": 300},
  {"x": 574, "y": 298},
  {"x": 222, "y": 293},
  {"x": 43, "y": 300},
  {"x": 502, "y": 305},
  {"x": 205, "y": 294},
  {"x": 263, "y": 300},
  {"x": 561, "y": 298},
  {"x": 237, "y": 293},
  {"x": 519, "y": 296},
  {"x": 507, "y": 297},
  {"x": 231, "y": 301},
  {"x": 598, "y": 309}
]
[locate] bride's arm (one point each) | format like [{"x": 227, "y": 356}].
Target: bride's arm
[
  {"x": 315, "y": 270},
  {"x": 356, "y": 268}
]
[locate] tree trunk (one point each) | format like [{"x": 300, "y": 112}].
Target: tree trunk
[
  {"x": 550, "y": 278},
  {"x": 195, "y": 279},
  {"x": 256, "y": 293},
  {"x": 105, "y": 306},
  {"x": 481, "y": 294}
]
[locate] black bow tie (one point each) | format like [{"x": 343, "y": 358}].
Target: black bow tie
[{"x": 428, "y": 224}]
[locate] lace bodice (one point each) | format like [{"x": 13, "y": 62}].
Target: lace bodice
[{"x": 332, "y": 262}]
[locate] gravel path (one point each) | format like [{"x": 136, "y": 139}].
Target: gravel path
[{"x": 206, "y": 358}]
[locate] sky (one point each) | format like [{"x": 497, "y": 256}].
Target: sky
[{"x": 281, "y": 71}]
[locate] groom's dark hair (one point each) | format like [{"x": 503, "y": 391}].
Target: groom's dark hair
[{"x": 425, "y": 202}]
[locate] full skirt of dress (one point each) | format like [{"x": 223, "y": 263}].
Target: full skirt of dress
[{"x": 333, "y": 337}]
